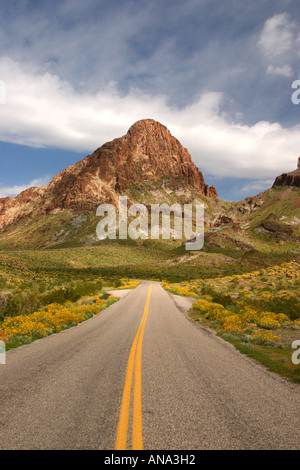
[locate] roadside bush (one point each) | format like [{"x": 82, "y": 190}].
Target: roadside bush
[
  {"x": 264, "y": 337},
  {"x": 217, "y": 297},
  {"x": 22, "y": 303},
  {"x": 268, "y": 320},
  {"x": 62, "y": 295}
]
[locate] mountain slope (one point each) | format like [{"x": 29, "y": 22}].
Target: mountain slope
[
  {"x": 150, "y": 166},
  {"x": 147, "y": 152}
]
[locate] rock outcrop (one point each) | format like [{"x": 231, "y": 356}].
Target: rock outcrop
[
  {"x": 148, "y": 152},
  {"x": 288, "y": 179}
]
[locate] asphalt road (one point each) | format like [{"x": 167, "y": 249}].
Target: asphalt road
[{"x": 141, "y": 375}]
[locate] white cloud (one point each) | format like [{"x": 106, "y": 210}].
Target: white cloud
[
  {"x": 285, "y": 70},
  {"x": 279, "y": 42},
  {"x": 11, "y": 191},
  {"x": 257, "y": 186},
  {"x": 277, "y": 35},
  {"x": 41, "y": 110}
]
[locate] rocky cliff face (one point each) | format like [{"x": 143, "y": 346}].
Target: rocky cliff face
[
  {"x": 288, "y": 179},
  {"x": 147, "y": 152}
]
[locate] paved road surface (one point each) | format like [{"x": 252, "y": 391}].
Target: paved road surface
[{"x": 142, "y": 374}]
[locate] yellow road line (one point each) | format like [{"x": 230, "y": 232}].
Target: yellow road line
[{"x": 137, "y": 426}]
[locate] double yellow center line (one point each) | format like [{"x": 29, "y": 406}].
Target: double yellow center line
[{"x": 134, "y": 363}]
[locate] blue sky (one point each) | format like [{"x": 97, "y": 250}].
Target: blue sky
[{"x": 217, "y": 73}]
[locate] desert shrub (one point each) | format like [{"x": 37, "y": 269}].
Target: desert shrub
[
  {"x": 232, "y": 323},
  {"x": 264, "y": 337},
  {"x": 117, "y": 283},
  {"x": 218, "y": 297},
  {"x": 268, "y": 320},
  {"x": 21, "y": 303},
  {"x": 30, "y": 297},
  {"x": 62, "y": 295},
  {"x": 50, "y": 319},
  {"x": 286, "y": 305}
]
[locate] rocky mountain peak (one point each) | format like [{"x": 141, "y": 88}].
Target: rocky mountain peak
[{"x": 147, "y": 152}]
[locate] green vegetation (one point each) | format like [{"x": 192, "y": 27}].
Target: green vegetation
[
  {"x": 24, "y": 329},
  {"x": 257, "y": 312},
  {"x": 245, "y": 279}
]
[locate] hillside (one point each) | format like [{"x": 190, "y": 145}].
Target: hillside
[
  {"x": 55, "y": 226},
  {"x": 50, "y": 256},
  {"x": 148, "y": 152}
]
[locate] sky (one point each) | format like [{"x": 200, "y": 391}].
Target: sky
[{"x": 220, "y": 75}]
